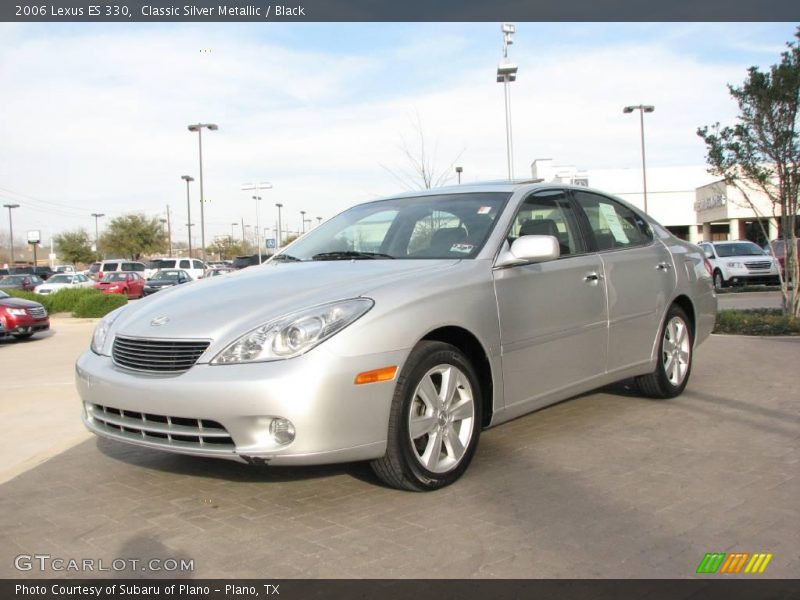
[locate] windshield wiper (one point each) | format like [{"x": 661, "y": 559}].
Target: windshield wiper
[
  {"x": 285, "y": 257},
  {"x": 346, "y": 254}
]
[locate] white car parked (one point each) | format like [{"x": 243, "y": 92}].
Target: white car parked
[
  {"x": 62, "y": 281},
  {"x": 194, "y": 267},
  {"x": 740, "y": 262}
]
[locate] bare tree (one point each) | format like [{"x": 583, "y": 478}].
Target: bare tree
[{"x": 420, "y": 171}]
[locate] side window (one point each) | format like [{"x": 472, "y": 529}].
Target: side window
[
  {"x": 614, "y": 225},
  {"x": 197, "y": 264},
  {"x": 137, "y": 267},
  {"x": 185, "y": 264},
  {"x": 548, "y": 213}
]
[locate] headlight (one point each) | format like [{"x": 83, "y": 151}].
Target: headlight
[
  {"x": 17, "y": 312},
  {"x": 735, "y": 265},
  {"x": 295, "y": 333},
  {"x": 102, "y": 329}
]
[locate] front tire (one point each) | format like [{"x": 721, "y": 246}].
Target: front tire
[
  {"x": 22, "y": 336},
  {"x": 719, "y": 280},
  {"x": 435, "y": 420},
  {"x": 675, "y": 353}
]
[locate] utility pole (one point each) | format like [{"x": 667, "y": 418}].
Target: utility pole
[
  {"x": 169, "y": 231},
  {"x": 11, "y": 229}
]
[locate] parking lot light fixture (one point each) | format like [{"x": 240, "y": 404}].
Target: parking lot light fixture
[
  {"x": 188, "y": 179},
  {"x": 642, "y": 108},
  {"x": 198, "y": 128},
  {"x": 266, "y": 185},
  {"x": 10, "y": 207},
  {"x": 506, "y": 73},
  {"x": 279, "y": 241}
]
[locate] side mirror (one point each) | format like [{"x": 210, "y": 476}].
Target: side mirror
[{"x": 530, "y": 249}]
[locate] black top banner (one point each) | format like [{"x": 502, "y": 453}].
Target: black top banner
[{"x": 143, "y": 11}]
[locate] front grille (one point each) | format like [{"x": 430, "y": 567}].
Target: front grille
[
  {"x": 758, "y": 265},
  {"x": 156, "y": 355},
  {"x": 37, "y": 312},
  {"x": 170, "y": 432}
]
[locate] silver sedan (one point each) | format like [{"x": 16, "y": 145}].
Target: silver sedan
[{"x": 399, "y": 329}]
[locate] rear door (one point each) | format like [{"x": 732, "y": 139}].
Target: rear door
[
  {"x": 640, "y": 277},
  {"x": 553, "y": 319}
]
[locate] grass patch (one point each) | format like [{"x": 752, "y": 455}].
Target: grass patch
[
  {"x": 81, "y": 302},
  {"x": 760, "y": 321},
  {"x": 98, "y": 304}
]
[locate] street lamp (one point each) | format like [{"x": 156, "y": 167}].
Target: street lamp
[
  {"x": 303, "y": 219},
  {"x": 506, "y": 73},
  {"x": 188, "y": 179},
  {"x": 198, "y": 127},
  {"x": 642, "y": 108},
  {"x": 266, "y": 185},
  {"x": 11, "y": 228},
  {"x": 459, "y": 171},
  {"x": 319, "y": 220},
  {"x": 279, "y": 241}
]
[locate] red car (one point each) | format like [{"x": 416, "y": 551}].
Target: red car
[
  {"x": 121, "y": 282},
  {"x": 778, "y": 249},
  {"x": 21, "y": 318}
]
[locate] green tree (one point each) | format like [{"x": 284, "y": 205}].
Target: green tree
[
  {"x": 74, "y": 246},
  {"x": 761, "y": 152},
  {"x": 227, "y": 249},
  {"x": 133, "y": 235}
]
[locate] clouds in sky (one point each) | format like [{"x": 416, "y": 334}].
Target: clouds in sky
[{"x": 93, "y": 118}]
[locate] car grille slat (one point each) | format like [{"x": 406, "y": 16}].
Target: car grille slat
[
  {"x": 758, "y": 265},
  {"x": 157, "y": 355},
  {"x": 37, "y": 312},
  {"x": 161, "y": 430}
]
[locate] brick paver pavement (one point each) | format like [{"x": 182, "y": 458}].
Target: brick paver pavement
[{"x": 605, "y": 485}]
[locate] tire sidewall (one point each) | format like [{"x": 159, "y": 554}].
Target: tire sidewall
[
  {"x": 670, "y": 389},
  {"x": 430, "y": 357},
  {"x": 719, "y": 278}
]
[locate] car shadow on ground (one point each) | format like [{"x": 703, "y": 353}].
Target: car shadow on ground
[
  {"x": 228, "y": 470},
  {"x": 7, "y": 340}
]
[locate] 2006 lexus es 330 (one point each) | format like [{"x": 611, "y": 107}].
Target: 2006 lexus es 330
[{"x": 400, "y": 328}]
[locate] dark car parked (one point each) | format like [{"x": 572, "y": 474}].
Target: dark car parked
[
  {"x": 21, "y": 318},
  {"x": 21, "y": 282},
  {"x": 240, "y": 262},
  {"x": 164, "y": 279}
]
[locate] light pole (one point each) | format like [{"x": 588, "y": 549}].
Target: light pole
[
  {"x": 96, "y": 231},
  {"x": 11, "y": 228},
  {"x": 506, "y": 73},
  {"x": 303, "y": 219},
  {"x": 279, "y": 241},
  {"x": 459, "y": 171},
  {"x": 198, "y": 127},
  {"x": 319, "y": 221},
  {"x": 642, "y": 108},
  {"x": 188, "y": 179},
  {"x": 234, "y": 224},
  {"x": 265, "y": 185}
]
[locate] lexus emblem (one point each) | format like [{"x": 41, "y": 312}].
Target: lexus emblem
[{"x": 158, "y": 321}]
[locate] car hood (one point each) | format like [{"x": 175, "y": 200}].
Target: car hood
[
  {"x": 54, "y": 286},
  {"x": 18, "y": 303},
  {"x": 222, "y": 307}
]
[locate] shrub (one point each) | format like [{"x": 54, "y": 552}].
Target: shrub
[
  {"x": 760, "y": 321},
  {"x": 67, "y": 299},
  {"x": 98, "y": 304}
]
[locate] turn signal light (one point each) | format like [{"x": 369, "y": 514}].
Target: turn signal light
[{"x": 384, "y": 374}]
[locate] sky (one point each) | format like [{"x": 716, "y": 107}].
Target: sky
[{"x": 93, "y": 116}]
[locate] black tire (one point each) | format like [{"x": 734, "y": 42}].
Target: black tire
[
  {"x": 401, "y": 466},
  {"x": 22, "y": 336},
  {"x": 719, "y": 280},
  {"x": 658, "y": 383}
]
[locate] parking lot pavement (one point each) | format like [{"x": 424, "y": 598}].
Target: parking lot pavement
[
  {"x": 747, "y": 300},
  {"x": 38, "y": 403},
  {"x": 605, "y": 485}
]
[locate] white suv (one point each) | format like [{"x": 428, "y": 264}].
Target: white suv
[
  {"x": 740, "y": 262},
  {"x": 195, "y": 268}
]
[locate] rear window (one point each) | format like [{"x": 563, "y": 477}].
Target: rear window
[
  {"x": 110, "y": 266},
  {"x": 166, "y": 264}
]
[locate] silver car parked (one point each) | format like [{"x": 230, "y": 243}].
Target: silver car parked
[{"x": 398, "y": 330}]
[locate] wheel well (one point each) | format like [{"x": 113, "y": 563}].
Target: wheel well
[
  {"x": 473, "y": 350},
  {"x": 688, "y": 308}
]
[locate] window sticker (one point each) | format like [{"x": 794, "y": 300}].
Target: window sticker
[
  {"x": 612, "y": 220},
  {"x": 462, "y": 248},
  {"x": 484, "y": 210}
]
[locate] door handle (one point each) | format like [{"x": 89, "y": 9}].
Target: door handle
[
  {"x": 663, "y": 266},
  {"x": 592, "y": 277}
]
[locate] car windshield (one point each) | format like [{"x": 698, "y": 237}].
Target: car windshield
[
  {"x": 114, "y": 277},
  {"x": 739, "y": 249},
  {"x": 440, "y": 226},
  {"x": 94, "y": 268},
  {"x": 60, "y": 279},
  {"x": 166, "y": 276}
]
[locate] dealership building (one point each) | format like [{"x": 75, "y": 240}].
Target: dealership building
[{"x": 693, "y": 204}]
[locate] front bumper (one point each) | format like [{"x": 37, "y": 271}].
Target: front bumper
[
  {"x": 21, "y": 325},
  {"x": 334, "y": 420},
  {"x": 743, "y": 275}
]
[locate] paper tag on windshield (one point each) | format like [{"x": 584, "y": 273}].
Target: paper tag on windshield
[
  {"x": 462, "y": 248},
  {"x": 484, "y": 210}
]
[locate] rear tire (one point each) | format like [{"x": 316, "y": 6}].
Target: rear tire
[
  {"x": 435, "y": 420},
  {"x": 675, "y": 353}
]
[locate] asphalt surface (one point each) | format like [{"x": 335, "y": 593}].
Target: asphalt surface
[
  {"x": 748, "y": 300},
  {"x": 605, "y": 485}
]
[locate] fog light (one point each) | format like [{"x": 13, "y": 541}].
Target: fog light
[{"x": 281, "y": 430}]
